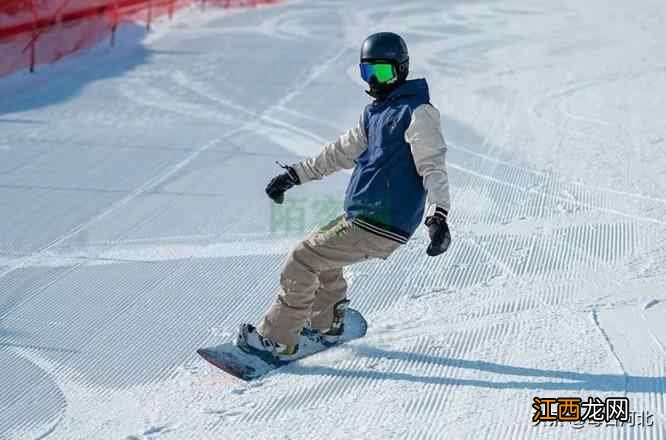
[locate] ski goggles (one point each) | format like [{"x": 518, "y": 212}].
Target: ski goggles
[{"x": 384, "y": 72}]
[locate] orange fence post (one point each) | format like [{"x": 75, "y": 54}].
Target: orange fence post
[
  {"x": 150, "y": 14},
  {"x": 33, "y": 43},
  {"x": 58, "y": 20},
  {"x": 114, "y": 24},
  {"x": 171, "y": 8}
]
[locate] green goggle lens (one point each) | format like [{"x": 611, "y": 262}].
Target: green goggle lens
[{"x": 384, "y": 72}]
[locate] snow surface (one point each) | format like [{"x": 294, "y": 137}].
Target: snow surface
[{"x": 134, "y": 228}]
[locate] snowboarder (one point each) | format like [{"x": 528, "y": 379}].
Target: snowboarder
[{"x": 398, "y": 154}]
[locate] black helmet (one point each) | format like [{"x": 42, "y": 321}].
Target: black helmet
[{"x": 387, "y": 47}]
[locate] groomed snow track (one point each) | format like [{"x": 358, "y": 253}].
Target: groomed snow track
[{"x": 135, "y": 228}]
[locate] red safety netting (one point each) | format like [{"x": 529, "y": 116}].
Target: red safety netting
[{"x": 43, "y": 31}]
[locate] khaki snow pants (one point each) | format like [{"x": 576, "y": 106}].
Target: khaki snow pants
[{"x": 312, "y": 283}]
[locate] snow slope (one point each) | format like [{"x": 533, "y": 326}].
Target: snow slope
[{"x": 134, "y": 227}]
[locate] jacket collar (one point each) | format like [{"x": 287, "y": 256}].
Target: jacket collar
[{"x": 413, "y": 87}]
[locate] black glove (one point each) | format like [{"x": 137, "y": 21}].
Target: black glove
[
  {"x": 279, "y": 184},
  {"x": 440, "y": 236}
]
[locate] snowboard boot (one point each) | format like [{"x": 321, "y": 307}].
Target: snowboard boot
[
  {"x": 250, "y": 341},
  {"x": 334, "y": 333}
]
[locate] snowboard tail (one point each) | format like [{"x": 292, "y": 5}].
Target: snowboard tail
[{"x": 248, "y": 366}]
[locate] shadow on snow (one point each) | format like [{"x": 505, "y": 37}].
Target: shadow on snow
[{"x": 566, "y": 380}]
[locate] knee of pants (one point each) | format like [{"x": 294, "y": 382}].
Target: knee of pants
[
  {"x": 299, "y": 284},
  {"x": 298, "y": 267},
  {"x": 336, "y": 285},
  {"x": 297, "y": 279}
]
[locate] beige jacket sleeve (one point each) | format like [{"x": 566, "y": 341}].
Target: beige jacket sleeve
[
  {"x": 424, "y": 135},
  {"x": 336, "y": 156}
]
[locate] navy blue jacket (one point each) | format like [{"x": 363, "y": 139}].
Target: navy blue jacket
[{"x": 386, "y": 194}]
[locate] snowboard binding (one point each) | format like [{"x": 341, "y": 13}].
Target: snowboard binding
[{"x": 334, "y": 333}]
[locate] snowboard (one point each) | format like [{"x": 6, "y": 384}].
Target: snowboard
[{"x": 249, "y": 366}]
